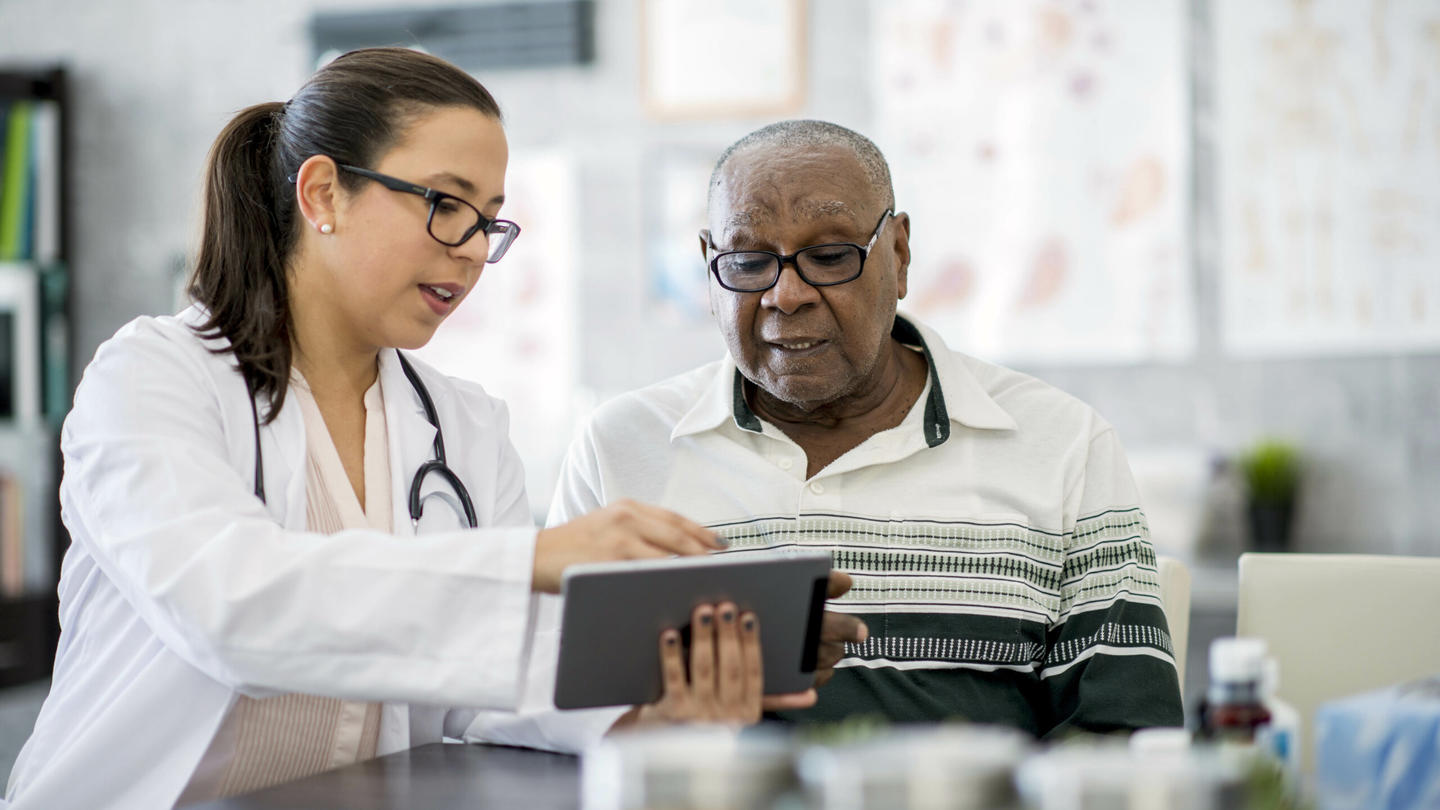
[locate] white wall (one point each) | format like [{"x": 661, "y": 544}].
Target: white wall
[{"x": 155, "y": 80}]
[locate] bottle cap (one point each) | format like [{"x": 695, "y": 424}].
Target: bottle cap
[
  {"x": 1148, "y": 741},
  {"x": 1237, "y": 659}
]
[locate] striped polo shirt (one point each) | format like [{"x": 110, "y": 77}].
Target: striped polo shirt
[{"x": 999, "y": 553}]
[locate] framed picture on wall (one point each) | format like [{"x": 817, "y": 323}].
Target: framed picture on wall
[
  {"x": 19, "y": 344},
  {"x": 702, "y": 59}
]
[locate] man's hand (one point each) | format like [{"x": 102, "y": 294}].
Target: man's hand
[
  {"x": 837, "y": 629},
  {"x": 624, "y": 530}
]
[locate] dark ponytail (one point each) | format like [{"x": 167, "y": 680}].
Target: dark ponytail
[
  {"x": 353, "y": 110},
  {"x": 240, "y": 272}
]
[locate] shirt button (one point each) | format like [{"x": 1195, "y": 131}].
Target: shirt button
[
  {"x": 785, "y": 463},
  {"x": 817, "y": 487}
]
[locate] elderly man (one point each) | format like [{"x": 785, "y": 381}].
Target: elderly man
[{"x": 990, "y": 522}]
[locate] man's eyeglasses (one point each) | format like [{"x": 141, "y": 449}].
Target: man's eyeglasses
[
  {"x": 818, "y": 265},
  {"x": 452, "y": 221}
]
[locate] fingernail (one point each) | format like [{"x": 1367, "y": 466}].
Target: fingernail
[
  {"x": 704, "y": 619},
  {"x": 864, "y": 631},
  {"x": 728, "y": 616},
  {"x": 671, "y": 640},
  {"x": 722, "y": 542},
  {"x": 749, "y": 624}
]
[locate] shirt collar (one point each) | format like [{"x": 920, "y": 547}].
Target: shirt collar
[
  {"x": 955, "y": 394},
  {"x": 722, "y": 398}
]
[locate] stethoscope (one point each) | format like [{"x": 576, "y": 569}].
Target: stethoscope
[{"x": 435, "y": 465}]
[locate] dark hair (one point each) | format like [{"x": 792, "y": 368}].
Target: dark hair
[
  {"x": 810, "y": 134},
  {"x": 353, "y": 110}
]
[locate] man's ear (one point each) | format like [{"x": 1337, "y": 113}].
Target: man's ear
[
  {"x": 316, "y": 188},
  {"x": 902, "y": 253},
  {"x": 704, "y": 258}
]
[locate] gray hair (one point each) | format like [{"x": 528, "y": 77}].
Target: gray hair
[{"x": 811, "y": 134}]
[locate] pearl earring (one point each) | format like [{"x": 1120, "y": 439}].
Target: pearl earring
[{"x": 327, "y": 228}]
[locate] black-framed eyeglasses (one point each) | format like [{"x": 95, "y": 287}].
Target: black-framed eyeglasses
[
  {"x": 452, "y": 221},
  {"x": 818, "y": 265}
]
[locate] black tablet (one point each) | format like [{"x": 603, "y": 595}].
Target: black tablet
[{"x": 614, "y": 614}]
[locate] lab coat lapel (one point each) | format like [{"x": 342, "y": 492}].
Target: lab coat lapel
[
  {"x": 282, "y": 441},
  {"x": 411, "y": 436}
]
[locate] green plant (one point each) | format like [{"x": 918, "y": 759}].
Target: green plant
[
  {"x": 1272, "y": 471},
  {"x": 1266, "y": 788}
]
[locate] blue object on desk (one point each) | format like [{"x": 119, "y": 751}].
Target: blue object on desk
[{"x": 1380, "y": 750}]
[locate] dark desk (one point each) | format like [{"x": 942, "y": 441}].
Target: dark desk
[{"x": 439, "y": 776}]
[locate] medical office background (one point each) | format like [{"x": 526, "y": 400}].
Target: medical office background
[{"x": 1214, "y": 220}]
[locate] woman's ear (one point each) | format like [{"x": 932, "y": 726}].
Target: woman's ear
[{"x": 316, "y": 189}]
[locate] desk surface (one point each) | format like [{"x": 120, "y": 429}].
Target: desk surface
[{"x": 439, "y": 776}]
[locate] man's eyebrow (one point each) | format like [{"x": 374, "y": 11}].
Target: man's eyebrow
[{"x": 464, "y": 185}]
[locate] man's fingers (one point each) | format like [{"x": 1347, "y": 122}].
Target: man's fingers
[
  {"x": 839, "y": 584},
  {"x": 835, "y": 631},
  {"x": 793, "y": 700},
  {"x": 830, "y": 654},
  {"x": 841, "y": 627}
]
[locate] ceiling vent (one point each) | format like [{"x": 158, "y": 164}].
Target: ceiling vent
[{"x": 493, "y": 36}]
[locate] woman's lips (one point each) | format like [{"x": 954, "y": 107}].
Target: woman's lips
[{"x": 441, "y": 297}]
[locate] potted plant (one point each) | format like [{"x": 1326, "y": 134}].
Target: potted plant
[{"x": 1272, "y": 477}]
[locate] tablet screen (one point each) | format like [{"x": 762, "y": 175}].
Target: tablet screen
[{"x": 614, "y": 613}]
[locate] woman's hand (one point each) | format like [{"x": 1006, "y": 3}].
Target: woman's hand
[
  {"x": 726, "y": 681},
  {"x": 624, "y": 530}
]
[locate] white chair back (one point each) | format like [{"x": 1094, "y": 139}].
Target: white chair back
[
  {"x": 1175, "y": 596},
  {"x": 1339, "y": 624}
]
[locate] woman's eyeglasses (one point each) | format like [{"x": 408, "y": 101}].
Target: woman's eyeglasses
[{"x": 452, "y": 221}]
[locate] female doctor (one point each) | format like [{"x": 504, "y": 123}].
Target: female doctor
[{"x": 273, "y": 570}]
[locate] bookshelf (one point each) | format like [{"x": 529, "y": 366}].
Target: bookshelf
[{"x": 35, "y": 379}]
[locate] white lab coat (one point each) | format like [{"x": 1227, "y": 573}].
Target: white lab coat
[{"x": 181, "y": 591}]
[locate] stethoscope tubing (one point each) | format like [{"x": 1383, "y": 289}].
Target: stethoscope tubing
[{"x": 436, "y": 465}]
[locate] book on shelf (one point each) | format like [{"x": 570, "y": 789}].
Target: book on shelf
[
  {"x": 21, "y": 396},
  {"x": 45, "y": 199},
  {"x": 14, "y": 176},
  {"x": 12, "y": 538},
  {"x": 30, "y": 181},
  {"x": 55, "y": 344}
]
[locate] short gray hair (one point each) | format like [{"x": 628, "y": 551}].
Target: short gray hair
[{"x": 811, "y": 134}]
